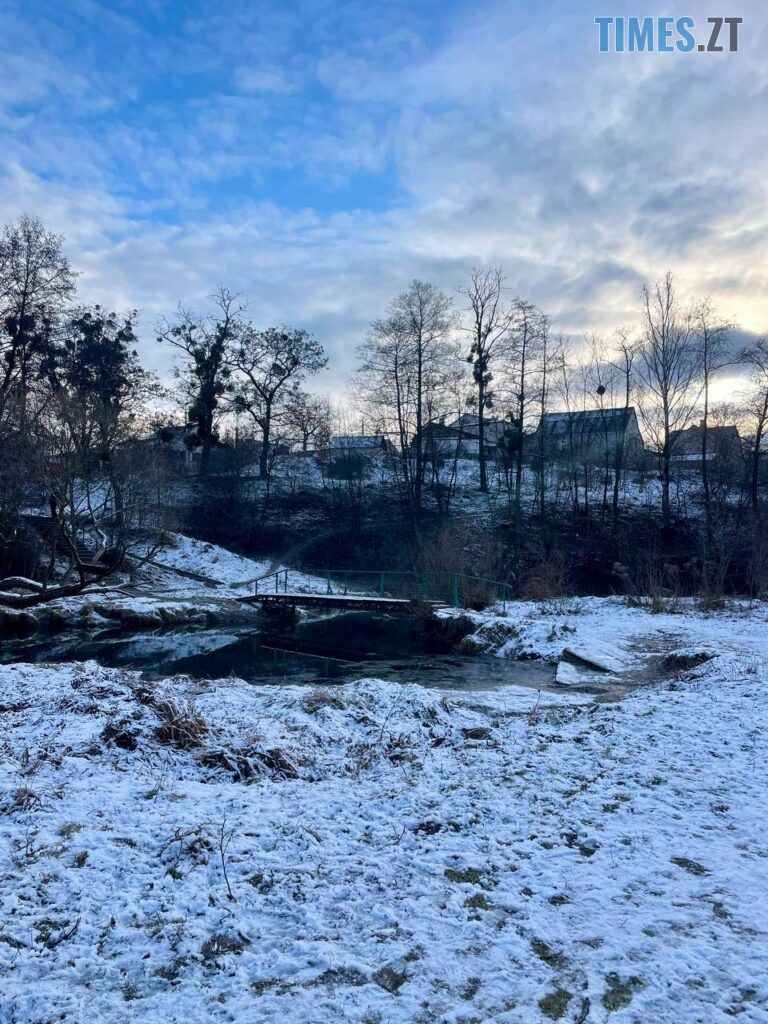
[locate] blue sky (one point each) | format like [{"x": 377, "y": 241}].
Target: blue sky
[{"x": 317, "y": 156}]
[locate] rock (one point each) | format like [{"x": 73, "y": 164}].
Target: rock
[
  {"x": 603, "y": 656},
  {"x": 568, "y": 674}
]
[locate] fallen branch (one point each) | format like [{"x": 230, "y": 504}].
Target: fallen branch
[{"x": 42, "y": 596}]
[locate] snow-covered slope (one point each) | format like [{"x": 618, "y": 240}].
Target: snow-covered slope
[{"x": 209, "y": 560}]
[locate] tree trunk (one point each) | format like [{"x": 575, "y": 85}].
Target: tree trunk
[
  {"x": 481, "y": 433},
  {"x": 666, "y": 516},
  {"x": 266, "y": 427},
  {"x": 205, "y": 432},
  {"x": 704, "y": 466},
  {"x": 756, "y": 455},
  {"x": 519, "y": 473},
  {"x": 418, "y": 440}
]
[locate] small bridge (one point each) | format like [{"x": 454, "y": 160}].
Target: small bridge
[{"x": 376, "y": 591}]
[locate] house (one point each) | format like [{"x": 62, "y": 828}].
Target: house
[
  {"x": 723, "y": 445},
  {"x": 461, "y": 437},
  {"x": 175, "y": 443},
  {"x": 361, "y": 444},
  {"x": 441, "y": 440},
  {"x": 589, "y": 435},
  {"x": 180, "y": 448},
  {"x": 469, "y": 425}
]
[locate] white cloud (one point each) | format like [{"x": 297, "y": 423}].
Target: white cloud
[
  {"x": 512, "y": 144},
  {"x": 255, "y": 80}
]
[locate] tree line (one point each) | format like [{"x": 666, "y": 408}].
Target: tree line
[
  {"x": 501, "y": 359},
  {"x": 74, "y": 396}
]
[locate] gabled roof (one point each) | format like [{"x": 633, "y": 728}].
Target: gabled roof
[
  {"x": 730, "y": 431},
  {"x": 469, "y": 425},
  {"x": 587, "y": 421}
]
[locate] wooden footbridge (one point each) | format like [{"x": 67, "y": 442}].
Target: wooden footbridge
[{"x": 375, "y": 591}]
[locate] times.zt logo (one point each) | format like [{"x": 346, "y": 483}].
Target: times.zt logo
[{"x": 667, "y": 35}]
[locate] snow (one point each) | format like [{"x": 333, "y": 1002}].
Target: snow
[
  {"x": 395, "y": 853},
  {"x": 165, "y": 596},
  {"x": 608, "y": 657},
  {"x": 210, "y": 560},
  {"x": 614, "y": 627}
]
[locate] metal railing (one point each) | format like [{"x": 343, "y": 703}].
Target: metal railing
[
  {"x": 272, "y": 583},
  {"x": 453, "y": 588}
]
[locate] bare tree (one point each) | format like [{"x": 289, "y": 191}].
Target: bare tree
[
  {"x": 670, "y": 371},
  {"x": 407, "y": 367},
  {"x": 713, "y": 335},
  {"x": 206, "y": 369},
  {"x": 489, "y": 330},
  {"x": 756, "y": 403},
  {"x": 529, "y": 330},
  {"x": 623, "y": 365},
  {"x": 270, "y": 365},
  {"x": 309, "y": 417},
  {"x": 551, "y": 350},
  {"x": 36, "y": 281}
]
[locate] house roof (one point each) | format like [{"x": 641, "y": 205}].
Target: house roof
[
  {"x": 587, "y": 421},
  {"x": 716, "y": 433},
  {"x": 469, "y": 425},
  {"x": 358, "y": 441}
]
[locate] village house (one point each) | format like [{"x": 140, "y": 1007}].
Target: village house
[
  {"x": 461, "y": 437},
  {"x": 724, "y": 445},
  {"x": 362, "y": 443},
  {"x": 590, "y": 435}
]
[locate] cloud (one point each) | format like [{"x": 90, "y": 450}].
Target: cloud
[
  {"x": 360, "y": 155},
  {"x": 255, "y": 80}
]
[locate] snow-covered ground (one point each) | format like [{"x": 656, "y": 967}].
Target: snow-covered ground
[
  {"x": 235, "y": 572},
  {"x": 210, "y": 560},
  {"x": 188, "y": 580},
  {"x": 387, "y": 853}
]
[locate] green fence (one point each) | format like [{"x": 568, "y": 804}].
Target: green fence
[{"x": 458, "y": 589}]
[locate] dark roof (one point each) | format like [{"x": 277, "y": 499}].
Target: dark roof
[
  {"x": 469, "y": 425},
  {"x": 441, "y": 429},
  {"x": 730, "y": 432},
  {"x": 587, "y": 421},
  {"x": 358, "y": 441}
]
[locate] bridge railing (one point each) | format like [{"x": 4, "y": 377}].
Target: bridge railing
[
  {"x": 272, "y": 583},
  {"x": 458, "y": 589},
  {"x": 453, "y": 588}
]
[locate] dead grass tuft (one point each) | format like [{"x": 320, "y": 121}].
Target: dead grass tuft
[
  {"x": 320, "y": 698},
  {"x": 181, "y": 724}
]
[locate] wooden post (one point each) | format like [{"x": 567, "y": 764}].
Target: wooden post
[{"x": 455, "y": 591}]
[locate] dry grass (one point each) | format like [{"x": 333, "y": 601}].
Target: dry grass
[
  {"x": 181, "y": 724},
  {"x": 547, "y": 578},
  {"x": 320, "y": 698}
]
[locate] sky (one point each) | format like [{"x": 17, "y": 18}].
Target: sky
[{"x": 317, "y": 156}]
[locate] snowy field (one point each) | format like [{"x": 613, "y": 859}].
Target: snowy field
[{"x": 385, "y": 853}]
